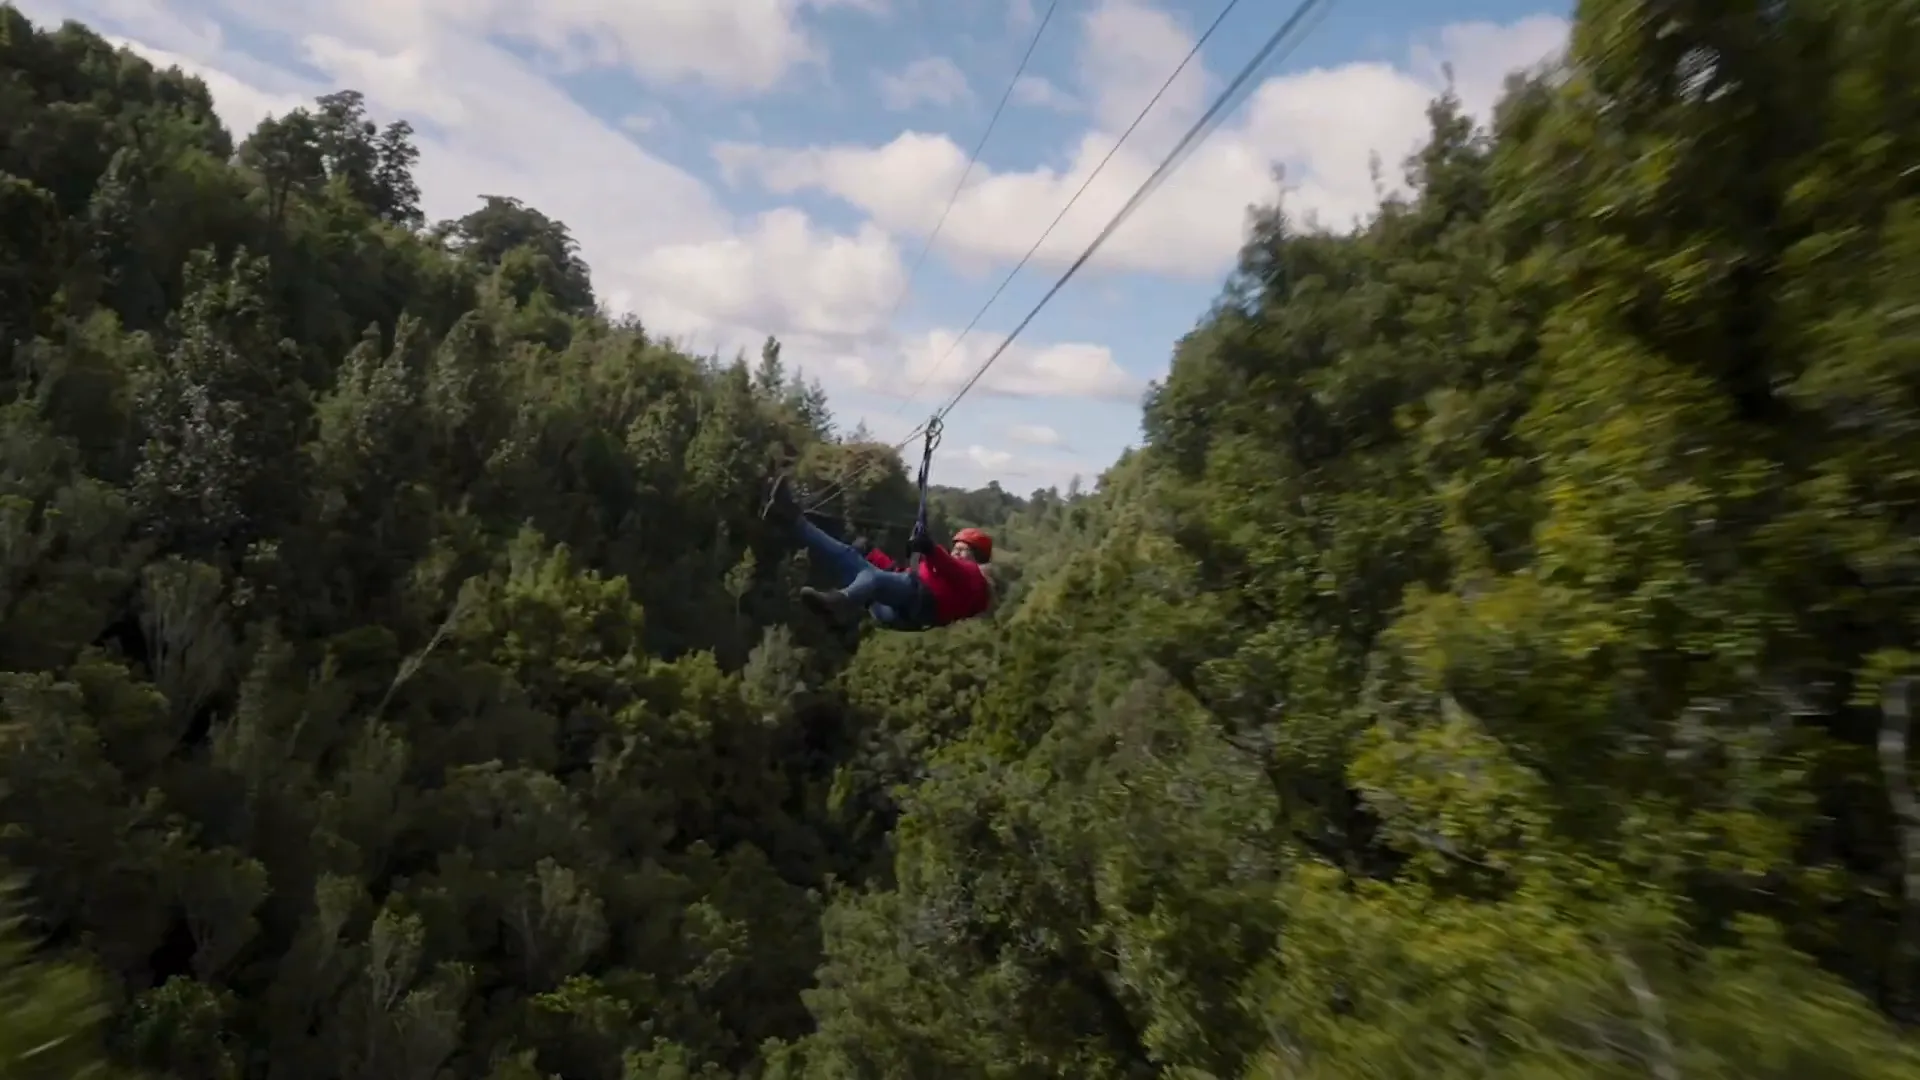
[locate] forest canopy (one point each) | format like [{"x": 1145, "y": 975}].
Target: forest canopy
[{"x": 1494, "y": 663}]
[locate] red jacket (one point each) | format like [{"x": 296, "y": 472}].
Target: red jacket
[
  {"x": 879, "y": 559},
  {"x": 959, "y": 587}
]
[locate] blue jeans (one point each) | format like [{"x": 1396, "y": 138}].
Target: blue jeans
[{"x": 898, "y": 600}]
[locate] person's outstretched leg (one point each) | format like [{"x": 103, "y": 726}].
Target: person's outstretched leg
[
  {"x": 861, "y": 583},
  {"x": 894, "y": 597},
  {"x": 840, "y": 560},
  {"x": 843, "y": 561},
  {"x": 873, "y": 585},
  {"x": 897, "y": 600},
  {"x": 847, "y": 566}
]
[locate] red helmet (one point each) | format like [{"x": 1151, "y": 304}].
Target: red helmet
[{"x": 980, "y": 542}]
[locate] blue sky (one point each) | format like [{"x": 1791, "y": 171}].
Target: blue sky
[{"x": 735, "y": 168}]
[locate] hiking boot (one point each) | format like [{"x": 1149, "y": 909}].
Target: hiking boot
[{"x": 830, "y": 604}]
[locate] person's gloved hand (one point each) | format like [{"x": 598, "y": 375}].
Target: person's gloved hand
[{"x": 920, "y": 543}]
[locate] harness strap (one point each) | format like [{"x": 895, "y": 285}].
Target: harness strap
[{"x": 920, "y": 520}]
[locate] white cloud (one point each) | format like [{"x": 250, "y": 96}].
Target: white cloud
[
  {"x": 1034, "y": 435},
  {"x": 241, "y": 106},
  {"x": 991, "y": 460},
  {"x": 783, "y": 275},
  {"x": 931, "y": 80},
  {"x": 647, "y": 120},
  {"x": 1482, "y": 53},
  {"x": 890, "y": 182},
  {"x": 1323, "y": 125},
  {"x": 1016, "y": 473},
  {"x": 244, "y": 90},
  {"x": 172, "y": 32},
  {"x": 656, "y": 238},
  {"x": 928, "y": 367},
  {"x": 977, "y": 464},
  {"x": 1067, "y": 369},
  {"x": 1127, "y": 50},
  {"x": 1035, "y": 91},
  {"x": 739, "y": 46},
  {"x": 660, "y": 242},
  {"x": 490, "y": 125}
]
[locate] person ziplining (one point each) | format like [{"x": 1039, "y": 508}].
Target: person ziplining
[
  {"x": 942, "y": 587},
  {"x": 938, "y": 588}
]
